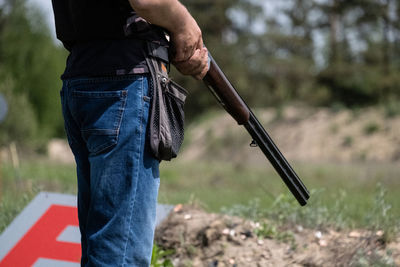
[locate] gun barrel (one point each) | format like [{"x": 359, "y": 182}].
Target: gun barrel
[
  {"x": 278, "y": 161},
  {"x": 229, "y": 98}
]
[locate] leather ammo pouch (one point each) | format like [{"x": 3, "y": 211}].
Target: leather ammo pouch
[{"x": 166, "y": 121}]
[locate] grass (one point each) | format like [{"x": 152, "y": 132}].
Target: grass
[
  {"x": 371, "y": 128},
  {"x": 345, "y": 193},
  {"x": 218, "y": 185},
  {"x": 19, "y": 186},
  {"x": 342, "y": 196},
  {"x": 159, "y": 257}
]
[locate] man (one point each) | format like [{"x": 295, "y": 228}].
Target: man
[{"x": 105, "y": 102}]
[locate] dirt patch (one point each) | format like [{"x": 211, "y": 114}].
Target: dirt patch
[{"x": 202, "y": 239}]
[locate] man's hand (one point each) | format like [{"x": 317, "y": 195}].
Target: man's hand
[
  {"x": 196, "y": 65},
  {"x": 186, "y": 39},
  {"x": 189, "y": 55}
]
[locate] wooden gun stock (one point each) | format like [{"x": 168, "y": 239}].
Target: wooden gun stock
[{"x": 229, "y": 98}]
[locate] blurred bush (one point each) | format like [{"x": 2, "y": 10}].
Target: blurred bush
[{"x": 20, "y": 124}]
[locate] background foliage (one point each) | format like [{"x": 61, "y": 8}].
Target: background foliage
[
  {"x": 30, "y": 66},
  {"x": 320, "y": 52}
]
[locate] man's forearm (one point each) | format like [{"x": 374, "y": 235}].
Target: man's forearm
[
  {"x": 169, "y": 14},
  {"x": 189, "y": 55}
]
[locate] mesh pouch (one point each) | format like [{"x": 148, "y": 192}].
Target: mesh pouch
[{"x": 166, "y": 126}]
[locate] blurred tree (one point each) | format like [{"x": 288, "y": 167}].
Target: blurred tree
[
  {"x": 290, "y": 46},
  {"x": 317, "y": 51},
  {"x": 360, "y": 53},
  {"x": 31, "y": 59}
]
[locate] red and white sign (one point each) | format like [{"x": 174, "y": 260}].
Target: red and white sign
[{"x": 46, "y": 233}]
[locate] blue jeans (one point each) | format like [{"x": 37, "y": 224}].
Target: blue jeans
[{"x": 118, "y": 178}]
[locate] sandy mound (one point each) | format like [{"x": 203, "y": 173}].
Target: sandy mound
[{"x": 302, "y": 134}]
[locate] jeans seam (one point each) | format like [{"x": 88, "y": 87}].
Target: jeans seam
[
  {"x": 137, "y": 159},
  {"x": 121, "y": 115}
]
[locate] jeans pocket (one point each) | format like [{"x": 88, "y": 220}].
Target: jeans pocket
[{"x": 99, "y": 115}]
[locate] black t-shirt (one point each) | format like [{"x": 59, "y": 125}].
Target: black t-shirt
[
  {"x": 106, "y": 58},
  {"x": 105, "y": 38}
]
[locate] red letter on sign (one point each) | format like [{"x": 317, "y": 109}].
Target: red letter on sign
[{"x": 41, "y": 240}]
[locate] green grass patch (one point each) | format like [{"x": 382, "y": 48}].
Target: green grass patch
[
  {"x": 342, "y": 195},
  {"x": 159, "y": 257}
]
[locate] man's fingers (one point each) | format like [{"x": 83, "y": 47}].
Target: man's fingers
[
  {"x": 201, "y": 75},
  {"x": 203, "y": 69},
  {"x": 196, "y": 66},
  {"x": 186, "y": 69},
  {"x": 190, "y": 66}
]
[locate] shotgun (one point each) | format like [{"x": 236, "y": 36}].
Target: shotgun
[{"x": 231, "y": 101}]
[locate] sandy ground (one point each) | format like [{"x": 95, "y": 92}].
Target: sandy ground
[{"x": 202, "y": 239}]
